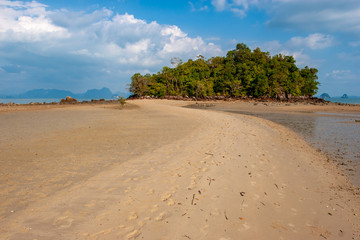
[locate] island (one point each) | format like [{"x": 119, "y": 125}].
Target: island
[
  {"x": 241, "y": 73},
  {"x": 325, "y": 95}
]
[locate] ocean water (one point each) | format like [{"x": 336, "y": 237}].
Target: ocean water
[
  {"x": 344, "y": 100},
  {"x": 36, "y": 100}
]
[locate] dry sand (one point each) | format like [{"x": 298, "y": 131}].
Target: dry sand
[{"x": 159, "y": 171}]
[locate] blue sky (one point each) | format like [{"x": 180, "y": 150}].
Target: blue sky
[{"x": 79, "y": 45}]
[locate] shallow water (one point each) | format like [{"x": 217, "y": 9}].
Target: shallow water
[
  {"x": 338, "y": 135},
  {"x": 37, "y": 100}
]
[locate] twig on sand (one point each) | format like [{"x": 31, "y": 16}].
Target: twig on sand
[
  {"x": 323, "y": 236},
  {"x": 210, "y": 180},
  {"x": 187, "y": 236},
  {"x": 242, "y": 194},
  {"x": 225, "y": 215},
  {"x": 210, "y": 154},
  {"x": 192, "y": 201},
  {"x": 276, "y": 186}
]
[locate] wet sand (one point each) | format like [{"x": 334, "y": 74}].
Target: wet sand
[
  {"x": 160, "y": 171},
  {"x": 332, "y": 129}
]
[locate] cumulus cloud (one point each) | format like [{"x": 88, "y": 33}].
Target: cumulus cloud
[
  {"x": 24, "y": 21},
  {"x": 78, "y": 50}
]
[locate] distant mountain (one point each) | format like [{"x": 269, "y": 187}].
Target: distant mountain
[
  {"x": 98, "y": 94},
  {"x": 104, "y": 93},
  {"x": 325, "y": 95},
  {"x": 45, "y": 93}
]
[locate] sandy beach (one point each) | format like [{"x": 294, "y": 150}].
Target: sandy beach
[{"x": 156, "y": 170}]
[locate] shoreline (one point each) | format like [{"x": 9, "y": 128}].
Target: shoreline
[
  {"x": 223, "y": 174},
  {"x": 331, "y": 130}
]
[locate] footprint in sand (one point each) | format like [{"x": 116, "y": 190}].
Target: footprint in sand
[
  {"x": 294, "y": 211},
  {"x": 171, "y": 202},
  {"x": 245, "y": 226},
  {"x": 255, "y": 197},
  {"x": 104, "y": 232},
  {"x": 215, "y": 212},
  {"x": 165, "y": 197},
  {"x": 204, "y": 229},
  {"x": 133, "y": 216},
  {"x": 63, "y": 222},
  {"x": 155, "y": 208},
  {"x": 162, "y": 216},
  {"x": 134, "y": 234},
  {"x": 110, "y": 190},
  {"x": 90, "y": 204},
  {"x": 143, "y": 222}
]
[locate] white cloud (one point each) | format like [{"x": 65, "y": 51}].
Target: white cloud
[
  {"x": 198, "y": 7},
  {"x": 20, "y": 21},
  {"x": 78, "y": 50},
  {"x": 313, "y": 41},
  {"x": 298, "y": 47},
  {"x": 354, "y": 44},
  {"x": 238, "y": 7},
  {"x": 238, "y": 12},
  {"x": 340, "y": 74},
  {"x": 330, "y": 15},
  {"x": 220, "y": 5}
]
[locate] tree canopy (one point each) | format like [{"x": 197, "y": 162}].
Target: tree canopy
[{"x": 240, "y": 73}]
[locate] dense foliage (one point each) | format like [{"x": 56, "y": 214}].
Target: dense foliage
[{"x": 241, "y": 73}]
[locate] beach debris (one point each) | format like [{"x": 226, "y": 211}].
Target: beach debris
[
  {"x": 276, "y": 186},
  {"x": 211, "y": 154},
  {"x": 210, "y": 180},
  {"x": 226, "y": 216},
  {"x": 358, "y": 121},
  {"x": 330, "y": 213},
  {"x": 242, "y": 194},
  {"x": 187, "y": 236},
  {"x": 192, "y": 201},
  {"x": 321, "y": 235},
  {"x": 262, "y": 203}
]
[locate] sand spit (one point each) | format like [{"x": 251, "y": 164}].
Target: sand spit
[{"x": 165, "y": 172}]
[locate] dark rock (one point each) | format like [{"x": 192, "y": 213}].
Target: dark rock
[{"x": 68, "y": 100}]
